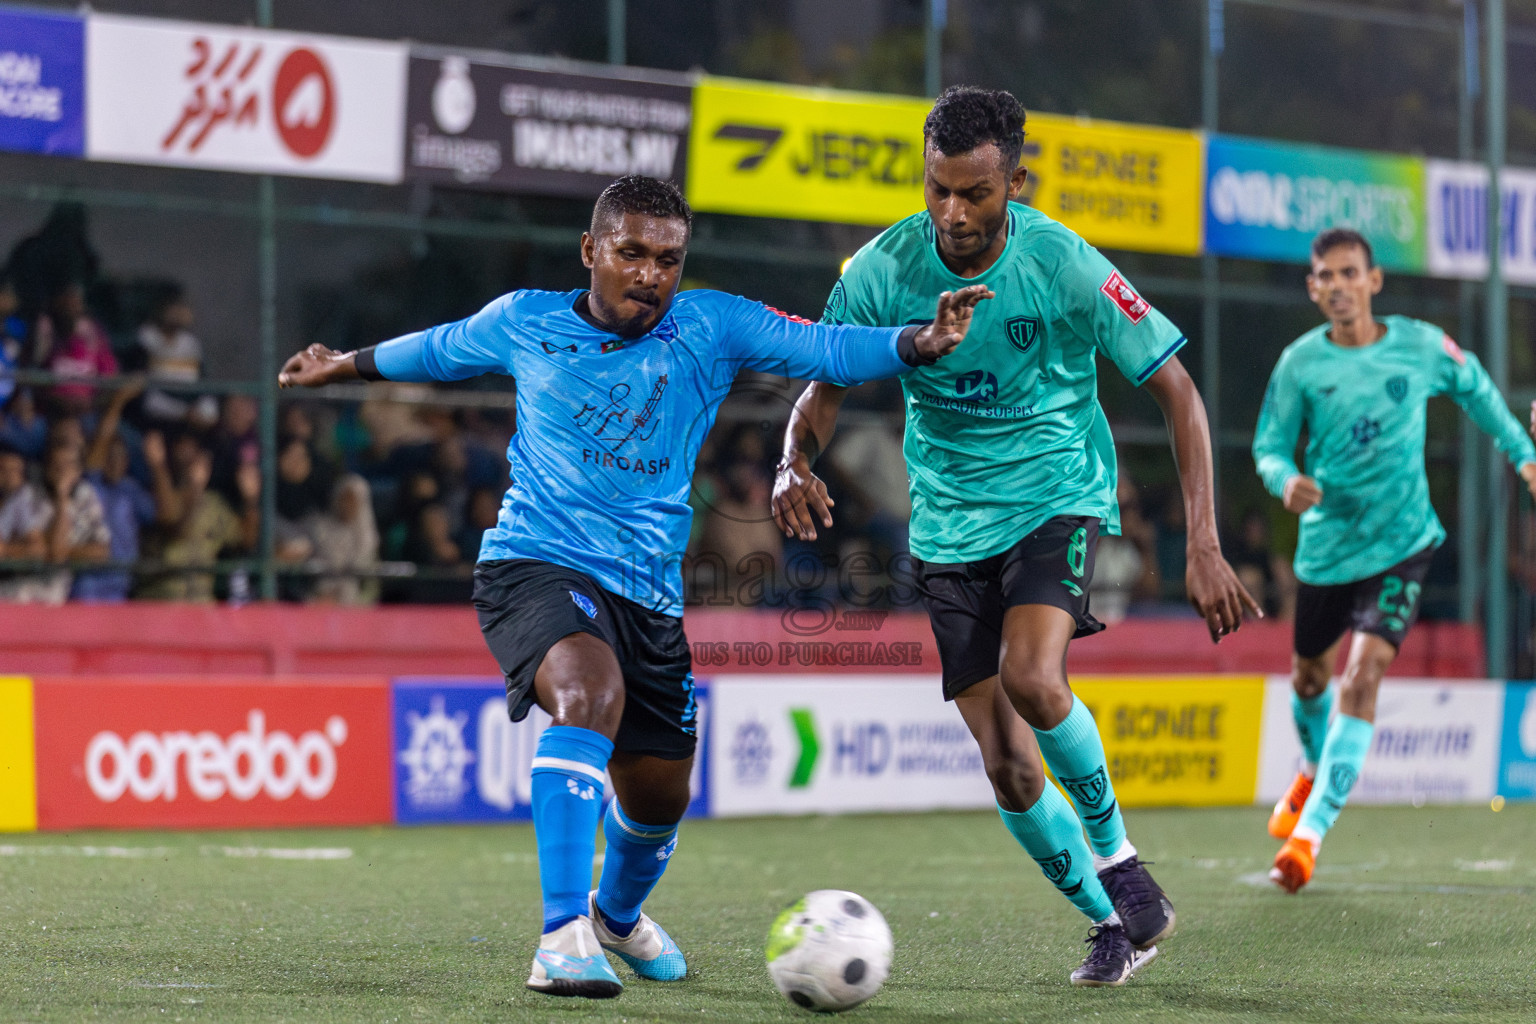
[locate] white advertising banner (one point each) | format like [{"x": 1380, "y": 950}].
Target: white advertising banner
[
  {"x": 239, "y": 99},
  {"x": 803, "y": 744},
  {"x": 1436, "y": 742},
  {"x": 1457, "y": 209}
]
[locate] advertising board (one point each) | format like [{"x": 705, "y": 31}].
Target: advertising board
[
  {"x": 1457, "y": 201},
  {"x": 42, "y": 83},
  {"x": 1517, "y": 748},
  {"x": 128, "y": 752},
  {"x": 18, "y": 773}
]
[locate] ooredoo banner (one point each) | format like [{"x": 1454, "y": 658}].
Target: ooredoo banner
[
  {"x": 195, "y": 753},
  {"x": 238, "y": 99},
  {"x": 522, "y": 129},
  {"x": 1436, "y": 741},
  {"x": 458, "y": 756},
  {"x": 42, "y": 83}
]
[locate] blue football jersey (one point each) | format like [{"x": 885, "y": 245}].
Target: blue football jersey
[{"x": 608, "y": 428}]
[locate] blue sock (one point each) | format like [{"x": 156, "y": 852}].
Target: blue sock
[
  {"x": 1052, "y": 835},
  {"x": 1311, "y": 716},
  {"x": 637, "y": 855},
  {"x": 1075, "y": 753},
  {"x": 567, "y": 789},
  {"x": 1349, "y": 740}
]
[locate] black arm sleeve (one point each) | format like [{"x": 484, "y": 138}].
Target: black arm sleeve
[
  {"x": 367, "y": 367},
  {"x": 906, "y": 347}
]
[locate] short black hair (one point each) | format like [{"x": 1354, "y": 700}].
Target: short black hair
[
  {"x": 636, "y": 193},
  {"x": 1332, "y": 238},
  {"x": 965, "y": 117}
]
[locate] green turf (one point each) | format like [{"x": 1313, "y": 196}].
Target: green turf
[{"x": 1415, "y": 915}]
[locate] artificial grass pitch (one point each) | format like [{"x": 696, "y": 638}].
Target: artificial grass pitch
[{"x": 1414, "y": 915}]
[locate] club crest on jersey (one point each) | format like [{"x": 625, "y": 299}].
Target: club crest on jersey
[
  {"x": 1397, "y": 388},
  {"x": 1088, "y": 790},
  {"x": 1022, "y": 331},
  {"x": 976, "y": 386},
  {"x": 1125, "y": 298},
  {"x": 585, "y": 603},
  {"x": 1056, "y": 866}
]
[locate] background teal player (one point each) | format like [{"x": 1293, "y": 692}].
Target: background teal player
[
  {"x": 1012, "y": 471},
  {"x": 1359, "y": 386},
  {"x": 579, "y": 585}
]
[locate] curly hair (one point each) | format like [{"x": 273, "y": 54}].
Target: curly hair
[
  {"x": 636, "y": 193},
  {"x": 964, "y": 117}
]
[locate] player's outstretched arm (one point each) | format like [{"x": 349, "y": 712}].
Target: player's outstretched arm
[
  {"x": 950, "y": 322},
  {"x": 1213, "y": 587},
  {"x": 800, "y": 497},
  {"x": 317, "y": 366}
]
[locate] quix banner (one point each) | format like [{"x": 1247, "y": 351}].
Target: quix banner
[
  {"x": 459, "y": 757},
  {"x": 42, "y": 83},
  {"x": 534, "y": 130},
  {"x": 1457, "y": 195},
  {"x": 1267, "y": 200},
  {"x": 189, "y": 752},
  {"x": 238, "y": 99}
]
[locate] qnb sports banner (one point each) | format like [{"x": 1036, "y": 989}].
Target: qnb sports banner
[
  {"x": 1457, "y": 196},
  {"x": 1436, "y": 741},
  {"x": 42, "y": 83},
  {"x": 1267, "y": 200},
  {"x": 226, "y": 98},
  {"x": 458, "y": 756},
  {"x": 195, "y": 753},
  {"x": 1178, "y": 742},
  {"x": 1121, "y": 186},
  {"x": 520, "y": 129}
]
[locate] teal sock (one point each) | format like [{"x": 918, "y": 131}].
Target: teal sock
[
  {"x": 1349, "y": 740},
  {"x": 1311, "y": 716},
  {"x": 1052, "y": 835},
  {"x": 1075, "y": 753}
]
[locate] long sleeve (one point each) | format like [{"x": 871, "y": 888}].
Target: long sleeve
[
  {"x": 466, "y": 348},
  {"x": 1466, "y": 383},
  {"x": 1274, "y": 440},
  {"x": 764, "y": 339}
]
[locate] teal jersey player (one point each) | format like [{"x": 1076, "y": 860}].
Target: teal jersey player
[
  {"x": 1009, "y": 433},
  {"x": 1358, "y": 385},
  {"x": 1364, "y": 409},
  {"x": 1012, "y": 471}
]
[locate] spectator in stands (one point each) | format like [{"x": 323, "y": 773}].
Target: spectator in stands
[
  {"x": 22, "y": 427},
  {"x": 234, "y": 444},
  {"x": 76, "y": 530},
  {"x": 1263, "y": 570},
  {"x": 483, "y": 508},
  {"x": 346, "y": 538},
  {"x": 74, "y": 347},
  {"x": 193, "y": 522},
  {"x": 24, "y": 513},
  {"x": 127, "y": 506},
  {"x": 1172, "y": 539},
  {"x": 739, "y": 536},
  {"x": 1124, "y": 567},
  {"x": 425, "y": 536},
  {"x": 57, "y": 252},
  {"x": 172, "y": 355},
  {"x": 13, "y": 337}
]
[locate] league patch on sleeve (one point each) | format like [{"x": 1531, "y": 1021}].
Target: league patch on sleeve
[
  {"x": 1124, "y": 296},
  {"x": 1453, "y": 350}
]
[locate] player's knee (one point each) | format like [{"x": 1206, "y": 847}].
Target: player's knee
[
  {"x": 1309, "y": 676},
  {"x": 1016, "y": 781},
  {"x": 594, "y": 703},
  {"x": 1038, "y": 691}
]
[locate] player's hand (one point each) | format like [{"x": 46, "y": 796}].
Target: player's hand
[
  {"x": 315, "y": 366},
  {"x": 951, "y": 321},
  {"x": 1528, "y": 474},
  {"x": 1533, "y": 419},
  {"x": 154, "y": 449},
  {"x": 799, "y": 499},
  {"x": 1216, "y": 592},
  {"x": 1301, "y": 493}
]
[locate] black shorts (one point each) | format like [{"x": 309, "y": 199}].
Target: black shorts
[
  {"x": 526, "y": 606},
  {"x": 1383, "y": 605},
  {"x": 1052, "y": 565}
]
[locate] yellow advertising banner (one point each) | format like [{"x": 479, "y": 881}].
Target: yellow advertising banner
[
  {"x": 1178, "y": 741},
  {"x": 1120, "y": 186},
  {"x": 857, "y": 158},
  {"x": 18, "y": 767}
]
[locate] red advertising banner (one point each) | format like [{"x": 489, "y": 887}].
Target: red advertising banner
[{"x": 135, "y": 752}]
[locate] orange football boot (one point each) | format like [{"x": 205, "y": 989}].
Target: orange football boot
[
  {"x": 1282, "y": 821},
  {"x": 1293, "y": 865}
]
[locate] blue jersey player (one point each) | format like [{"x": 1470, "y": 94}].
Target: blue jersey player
[{"x": 579, "y": 584}]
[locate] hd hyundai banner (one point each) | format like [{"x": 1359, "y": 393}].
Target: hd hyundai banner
[
  {"x": 42, "y": 83},
  {"x": 188, "y": 752},
  {"x": 239, "y": 99},
  {"x": 531, "y": 130}
]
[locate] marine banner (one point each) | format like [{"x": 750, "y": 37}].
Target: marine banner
[
  {"x": 534, "y": 130},
  {"x": 1267, "y": 200},
  {"x": 42, "y": 83},
  {"x": 1457, "y": 197},
  {"x": 459, "y": 757},
  {"x": 1178, "y": 741}
]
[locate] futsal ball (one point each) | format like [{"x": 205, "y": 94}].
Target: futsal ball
[{"x": 829, "y": 951}]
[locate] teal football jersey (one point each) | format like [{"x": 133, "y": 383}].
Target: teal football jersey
[
  {"x": 1007, "y": 432},
  {"x": 1364, "y": 412}
]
